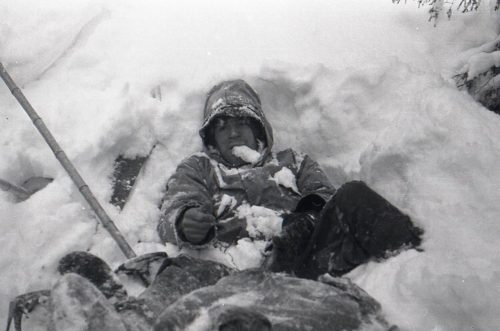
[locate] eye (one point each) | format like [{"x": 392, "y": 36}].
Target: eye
[
  {"x": 221, "y": 128},
  {"x": 220, "y": 125},
  {"x": 242, "y": 123}
]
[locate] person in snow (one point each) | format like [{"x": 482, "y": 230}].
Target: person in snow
[{"x": 323, "y": 229}]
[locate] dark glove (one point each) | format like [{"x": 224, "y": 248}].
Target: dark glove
[{"x": 196, "y": 224}]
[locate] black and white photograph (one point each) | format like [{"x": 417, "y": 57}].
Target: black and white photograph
[{"x": 250, "y": 165}]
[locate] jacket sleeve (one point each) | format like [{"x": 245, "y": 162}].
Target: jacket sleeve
[
  {"x": 186, "y": 188},
  {"x": 313, "y": 184}
]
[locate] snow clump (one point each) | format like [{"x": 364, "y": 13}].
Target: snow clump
[
  {"x": 246, "y": 154},
  {"x": 286, "y": 178},
  {"x": 261, "y": 222}
]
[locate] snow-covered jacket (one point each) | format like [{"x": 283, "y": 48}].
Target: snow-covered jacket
[{"x": 279, "y": 182}]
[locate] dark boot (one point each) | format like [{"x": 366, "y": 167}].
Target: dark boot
[
  {"x": 355, "y": 226},
  {"x": 291, "y": 243},
  {"x": 96, "y": 271},
  {"x": 375, "y": 223},
  {"x": 134, "y": 312}
]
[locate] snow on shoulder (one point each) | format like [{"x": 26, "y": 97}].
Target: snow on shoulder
[{"x": 286, "y": 178}]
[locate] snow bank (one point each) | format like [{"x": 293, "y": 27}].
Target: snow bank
[{"x": 361, "y": 86}]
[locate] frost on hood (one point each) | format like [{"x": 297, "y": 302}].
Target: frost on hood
[
  {"x": 262, "y": 222},
  {"x": 286, "y": 178},
  {"x": 233, "y": 111}
]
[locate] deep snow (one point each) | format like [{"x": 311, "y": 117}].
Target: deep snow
[{"x": 363, "y": 86}]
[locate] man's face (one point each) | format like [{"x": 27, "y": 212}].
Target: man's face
[{"x": 230, "y": 132}]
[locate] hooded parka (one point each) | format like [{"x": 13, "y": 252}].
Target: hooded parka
[{"x": 283, "y": 182}]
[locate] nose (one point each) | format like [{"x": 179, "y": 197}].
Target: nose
[{"x": 233, "y": 131}]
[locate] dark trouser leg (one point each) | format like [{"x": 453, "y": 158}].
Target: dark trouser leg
[
  {"x": 357, "y": 225},
  {"x": 289, "y": 246}
]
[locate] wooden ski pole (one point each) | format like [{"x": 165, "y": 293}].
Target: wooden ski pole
[{"x": 67, "y": 165}]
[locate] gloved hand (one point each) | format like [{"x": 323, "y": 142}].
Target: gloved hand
[{"x": 196, "y": 224}]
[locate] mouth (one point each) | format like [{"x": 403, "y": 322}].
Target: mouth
[{"x": 235, "y": 144}]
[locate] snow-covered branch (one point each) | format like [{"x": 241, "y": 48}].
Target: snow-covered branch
[
  {"x": 437, "y": 6},
  {"x": 480, "y": 75}
]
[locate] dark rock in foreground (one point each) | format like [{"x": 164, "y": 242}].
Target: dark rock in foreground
[
  {"x": 192, "y": 294},
  {"x": 257, "y": 300},
  {"x": 179, "y": 276}
]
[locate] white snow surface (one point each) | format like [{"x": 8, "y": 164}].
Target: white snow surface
[{"x": 363, "y": 86}]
